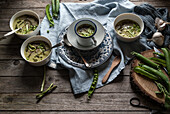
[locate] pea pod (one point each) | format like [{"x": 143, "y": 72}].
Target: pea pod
[
  {"x": 159, "y": 54},
  {"x": 49, "y": 17},
  {"x": 157, "y": 73},
  {"x": 138, "y": 69},
  {"x": 57, "y": 6},
  {"x": 53, "y": 8},
  {"x": 93, "y": 85},
  {"x": 146, "y": 60},
  {"x": 167, "y": 58}
]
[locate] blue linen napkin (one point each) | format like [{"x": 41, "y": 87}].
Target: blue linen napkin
[{"x": 105, "y": 12}]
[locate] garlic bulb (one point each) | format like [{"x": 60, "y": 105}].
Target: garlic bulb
[
  {"x": 160, "y": 24},
  {"x": 157, "y": 38}
]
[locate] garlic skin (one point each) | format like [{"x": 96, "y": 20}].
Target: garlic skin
[{"x": 157, "y": 38}]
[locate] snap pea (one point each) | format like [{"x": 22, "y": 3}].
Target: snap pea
[
  {"x": 157, "y": 73},
  {"x": 138, "y": 69},
  {"x": 167, "y": 58},
  {"x": 44, "y": 93},
  {"x": 55, "y": 14},
  {"x": 57, "y": 6},
  {"x": 159, "y": 61},
  {"x": 146, "y": 60},
  {"x": 160, "y": 54},
  {"x": 93, "y": 85},
  {"x": 49, "y": 17}
]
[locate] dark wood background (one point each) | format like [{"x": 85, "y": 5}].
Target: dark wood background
[{"x": 20, "y": 82}]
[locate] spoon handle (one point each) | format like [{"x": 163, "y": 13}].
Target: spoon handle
[
  {"x": 9, "y": 33},
  {"x": 59, "y": 44},
  {"x": 85, "y": 62},
  {"x": 115, "y": 62}
]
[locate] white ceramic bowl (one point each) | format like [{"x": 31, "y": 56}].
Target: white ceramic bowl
[
  {"x": 25, "y": 12},
  {"x": 129, "y": 16},
  {"x": 32, "y": 39}
]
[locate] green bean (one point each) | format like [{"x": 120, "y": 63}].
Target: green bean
[
  {"x": 138, "y": 69},
  {"x": 57, "y": 6},
  {"x": 49, "y": 17},
  {"x": 47, "y": 91},
  {"x": 54, "y": 13},
  {"x": 157, "y": 73},
  {"x": 159, "y": 61},
  {"x": 160, "y": 54},
  {"x": 93, "y": 85},
  {"x": 167, "y": 58},
  {"x": 146, "y": 60}
]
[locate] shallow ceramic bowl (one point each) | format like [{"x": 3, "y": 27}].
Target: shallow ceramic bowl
[
  {"x": 129, "y": 16},
  {"x": 25, "y": 12},
  {"x": 32, "y": 39}
]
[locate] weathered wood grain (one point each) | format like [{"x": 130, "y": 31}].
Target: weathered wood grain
[
  {"x": 31, "y": 84},
  {"x": 19, "y": 68},
  {"x": 67, "y": 102},
  {"x": 20, "y": 82},
  {"x": 39, "y": 4},
  {"x": 75, "y": 112},
  {"x": 10, "y": 40}
]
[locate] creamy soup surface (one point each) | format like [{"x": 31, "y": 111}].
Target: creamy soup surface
[{"x": 127, "y": 28}]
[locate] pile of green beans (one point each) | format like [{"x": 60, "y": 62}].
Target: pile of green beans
[
  {"x": 93, "y": 85},
  {"x": 55, "y": 8},
  {"x": 55, "y": 11},
  {"x": 153, "y": 71}
]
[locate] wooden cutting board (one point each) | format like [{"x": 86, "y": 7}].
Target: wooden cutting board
[{"x": 146, "y": 85}]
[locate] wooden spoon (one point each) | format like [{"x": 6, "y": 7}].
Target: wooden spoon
[{"x": 115, "y": 62}]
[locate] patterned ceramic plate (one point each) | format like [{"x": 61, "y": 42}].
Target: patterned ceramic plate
[{"x": 95, "y": 57}]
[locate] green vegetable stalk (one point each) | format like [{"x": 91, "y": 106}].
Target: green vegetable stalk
[
  {"x": 145, "y": 60},
  {"x": 140, "y": 70},
  {"x": 157, "y": 73},
  {"x": 159, "y": 54},
  {"x": 167, "y": 58},
  {"x": 49, "y": 17},
  {"x": 47, "y": 91},
  {"x": 54, "y": 8},
  {"x": 93, "y": 85},
  {"x": 159, "y": 61},
  {"x": 57, "y": 6}
]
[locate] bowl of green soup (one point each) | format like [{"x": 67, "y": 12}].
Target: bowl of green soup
[
  {"x": 28, "y": 23},
  {"x": 128, "y": 27},
  {"x": 85, "y": 30},
  {"x": 36, "y": 50}
]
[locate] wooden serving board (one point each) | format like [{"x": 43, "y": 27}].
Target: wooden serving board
[{"x": 146, "y": 85}]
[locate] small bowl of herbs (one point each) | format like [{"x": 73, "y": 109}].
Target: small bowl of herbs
[
  {"x": 28, "y": 23},
  {"x": 128, "y": 27}
]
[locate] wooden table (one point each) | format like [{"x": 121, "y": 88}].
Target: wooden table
[{"x": 20, "y": 82}]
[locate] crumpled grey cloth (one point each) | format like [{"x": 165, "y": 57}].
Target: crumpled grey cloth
[
  {"x": 105, "y": 12},
  {"x": 148, "y": 14}
]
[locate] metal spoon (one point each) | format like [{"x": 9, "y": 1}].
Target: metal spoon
[{"x": 70, "y": 45}]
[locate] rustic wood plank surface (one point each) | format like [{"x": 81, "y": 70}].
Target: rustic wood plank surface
[{"x": 20, "y": 82}]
